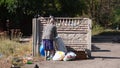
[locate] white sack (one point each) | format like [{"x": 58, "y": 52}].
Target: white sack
[
  {"x": 69, "y": 56},
  {"x": 59, "y": 55}
]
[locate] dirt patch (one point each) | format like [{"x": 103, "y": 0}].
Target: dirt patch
[{"x": 4, "y": 63}]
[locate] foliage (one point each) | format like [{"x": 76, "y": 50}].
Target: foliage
[
  {"x": 103, "y": 12},
  {"x": 97, "y": 29},
  {"x": 116, "y": 17}
]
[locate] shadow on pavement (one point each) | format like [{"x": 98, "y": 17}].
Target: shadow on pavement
[
  {"x": 104, "y": 57},
  {"x": 97, "y": 49}
]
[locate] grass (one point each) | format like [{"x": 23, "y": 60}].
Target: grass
[
  {"x": 97, "y": 29},
  {"x": 14, "y": 52},
  {"x": 110, "y": 32},
  {"x": 13, "y": 48}
]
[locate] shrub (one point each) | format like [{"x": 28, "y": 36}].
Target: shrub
[{"x": 97, "y": 29}]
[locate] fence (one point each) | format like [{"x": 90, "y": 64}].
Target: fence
[{"x": 75, "y": 32}]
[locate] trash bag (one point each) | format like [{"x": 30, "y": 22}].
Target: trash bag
[
  {"x": 1, "y": 55},
  {"x": 69, "y": 56},
  {"x": 42, "y": 50},
  {"x": 60, "y": 45},
  {"x": 59, "y": 55}
]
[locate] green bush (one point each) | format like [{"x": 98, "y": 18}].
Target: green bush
[{"x": 97, "y": 29}]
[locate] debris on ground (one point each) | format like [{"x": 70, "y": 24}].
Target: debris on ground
[
  {"x": 59, "y": 55},
  {"x": 69, "y": 56},
  {"x": 1, "y": 55}
]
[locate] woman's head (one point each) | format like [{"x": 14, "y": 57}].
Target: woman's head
[{"x": 52, "y": 19}]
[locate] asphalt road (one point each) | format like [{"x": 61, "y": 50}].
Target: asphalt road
[{"x": 104, "y": 55}]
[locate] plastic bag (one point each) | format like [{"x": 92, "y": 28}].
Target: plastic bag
[
  {"x": 60, "y": 45},
  {"x": 69, "y": 56},
  {"x": 59, "y": 55},
  {"x": 42, "y": 50}
]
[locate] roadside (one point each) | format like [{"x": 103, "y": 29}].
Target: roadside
[{"x": 104, "y": 55}]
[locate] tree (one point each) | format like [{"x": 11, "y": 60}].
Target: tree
[
  {"x": 115, "y": 14},
  {"x": 22, "y": 11}
]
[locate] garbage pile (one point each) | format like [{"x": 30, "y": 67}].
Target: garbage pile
[
  {"x": 60, "y": 55},
  {"x": 20, "y": 61},
  {"x": 61, "y": 52}
]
